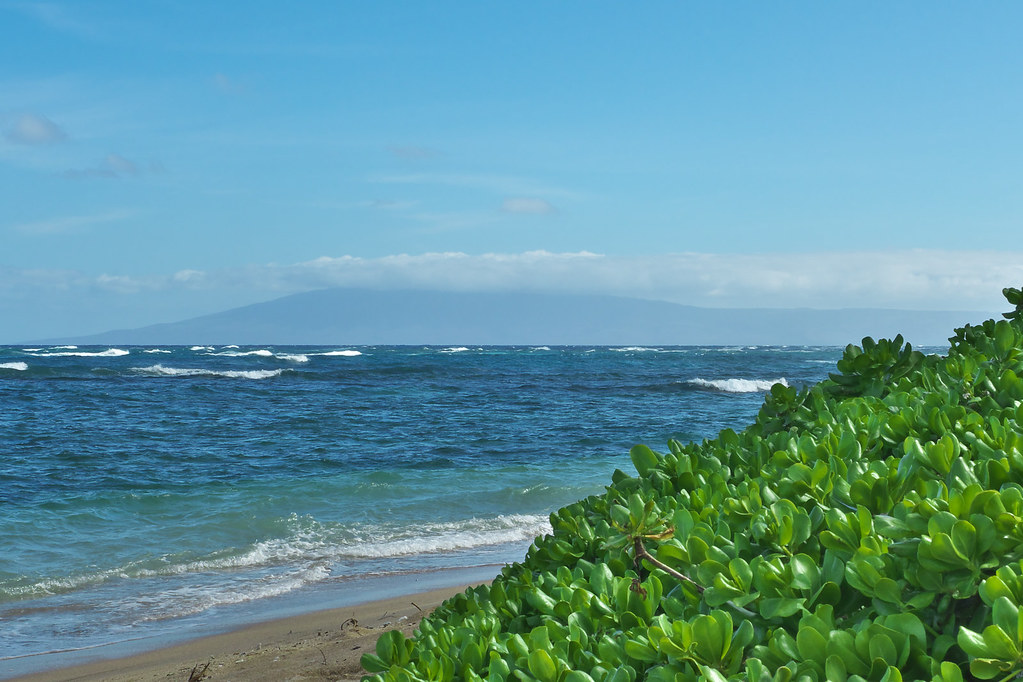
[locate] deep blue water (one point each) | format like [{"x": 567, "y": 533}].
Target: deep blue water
[{"x": 142, "y": 488}]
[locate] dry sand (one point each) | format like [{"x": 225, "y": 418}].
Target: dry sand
[{"x": 324, "y": 645}]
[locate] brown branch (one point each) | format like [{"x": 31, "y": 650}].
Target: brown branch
[{"x": 641, "y": 553}]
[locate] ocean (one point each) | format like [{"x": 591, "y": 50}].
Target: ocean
[{"x": 149, "y": 494}]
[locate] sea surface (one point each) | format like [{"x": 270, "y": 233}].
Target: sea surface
[{"x": 149, "y": 492}]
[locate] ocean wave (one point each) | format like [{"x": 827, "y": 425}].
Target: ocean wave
[
  {"x": 452, "y": 536},
  {"x": 635, "y": 349},
  {"x": 160, "y": 370},
  {"x": 454, "y": 349},
  {"x": 188, "y": 600},
  {"x": 293, "y": 358},
  {"x": 263, "y": 353},
  {"x": 17, "y": 366},
  {"x": 341, "y": 353},
  {"x": 303, "y": 555},
  {"x": 108, "y": 353},
  {"x": 541, "y": 348},
  {"x": 157, "y": 350},
  {"x": 737, "y": 385},
  {"x": 206, "y": 348}
]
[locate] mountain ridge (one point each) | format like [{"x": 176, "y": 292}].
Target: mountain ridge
[{"x": 350, "y": 316}]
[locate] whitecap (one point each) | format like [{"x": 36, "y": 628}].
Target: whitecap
[
  {"x": 156, "y": 350},
  {"x": 160, "y": 370},
  {"x": 342, "y": 353},
  {"x": 636, "y": 349},
  {"x": 453, "y": 349},
  {"x": 541, "y": 348},
  {"x": 206, "y": 348},
  {"x": 294, "y": 358},
  {"x": 263, "y": 353},
  {"x": 447, "y": 537},
  {"x": 17, "y": 366},
  {"x": 108, "y": 353},
  {"x": 738, "y": 385}
]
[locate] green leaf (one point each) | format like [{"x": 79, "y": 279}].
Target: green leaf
[
  {"x": 644, "y": 459},
  {"x": 835, "y": 670},
  {"x": 888, "y": 590},
  {"x": 542, "y": 666},
  {"x": 986, "y": 668},
  {"x": 577, "y": 676},
  {"x": 973, "y": 643},
  {"x": 374, "y": 663},
  {"x": 1000, "y": 644}
]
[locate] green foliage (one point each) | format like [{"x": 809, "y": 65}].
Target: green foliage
[{"x": 867, "y": 528}]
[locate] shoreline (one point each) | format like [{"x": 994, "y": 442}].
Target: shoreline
[{"x": 319, "y": 645}]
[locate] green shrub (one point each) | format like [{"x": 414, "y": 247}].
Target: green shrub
[{"x": 867, "y": 528}]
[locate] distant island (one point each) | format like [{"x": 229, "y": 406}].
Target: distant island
[{"x": 369, "y": 317}]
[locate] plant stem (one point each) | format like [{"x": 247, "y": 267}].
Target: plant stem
[{"x": 641, "y": 553}]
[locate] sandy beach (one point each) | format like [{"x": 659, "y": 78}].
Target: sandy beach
[{"x": 323, "y": 645}]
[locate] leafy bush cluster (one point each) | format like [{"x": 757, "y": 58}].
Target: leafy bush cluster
[{"x": 867, "y": 528}]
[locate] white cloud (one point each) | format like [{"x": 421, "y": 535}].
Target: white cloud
[
  {"x": 917, "y": 279},
  {"x": 34, "y": 129},
  {"x": 69, "y": 224},
  {"x": 228, "y": 86},
  {"x": 527, "y": 205},
  {"x": 500, "y": 184},
  {"x": 112, "y": 167},
  {"x": 415, "y": 153},
  {"x": 56, "y": 17}
]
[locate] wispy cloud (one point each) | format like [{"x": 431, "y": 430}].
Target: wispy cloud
[
  {"x": 114, "y": 166},
  {"x": 414, "y": 153},
  {"x": 912, "y": 280},
  {"x": 34, "y": 129},
  {"x": 527, "y": 205},
  {"x": 72, "y": 224},
  {"x": 227, "y": 85},
  {"x": 505, "y": 185},
  {"x": 55, "y": 16}
]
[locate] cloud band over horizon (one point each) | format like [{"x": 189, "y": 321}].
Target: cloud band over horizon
[{"x": 916, "y": 279}]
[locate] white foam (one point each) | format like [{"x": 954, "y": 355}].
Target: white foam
[
  {"x": 231, "y": 346},
  {"x": 108, "y": 353},
  {"x": 156, "y": 350},
  {"x": 342, "y": 353},
  {"x": 207, "y": 348},
  {"x": 738, "y": 385},
  {"x": 188, "y": 600},
  {"x": 17, "y": 366},
  {"x": 294, "y": 358},
  {"x": 541, "y": 348},
  {"x": 636, "y": 349},
  {"x": 447, "y": 537},
  {"x": 65, "y": 348},
  {"x": 160, "y": 370},
  {"x": 459, "y": 349},
  {"x": 31, "y": 350},
  {"x": 263, "y": 353}
]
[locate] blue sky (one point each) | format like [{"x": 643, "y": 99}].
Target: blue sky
[{"x": 160, "y": 160}]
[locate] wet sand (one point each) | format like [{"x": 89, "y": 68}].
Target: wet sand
[{"x": 323, "y": 645}]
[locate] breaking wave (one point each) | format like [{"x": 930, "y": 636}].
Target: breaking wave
[
  {"x": 160, "y": 370},
  {"x": 738, "y": 385}
]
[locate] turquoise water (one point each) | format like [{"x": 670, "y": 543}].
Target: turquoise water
[{"x": 144, "y": 489}]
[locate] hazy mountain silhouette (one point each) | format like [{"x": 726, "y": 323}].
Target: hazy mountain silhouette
[{"x": 367, "y": 317}]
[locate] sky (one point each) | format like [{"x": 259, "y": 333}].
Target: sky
[{"x": 166, "y": 159}]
